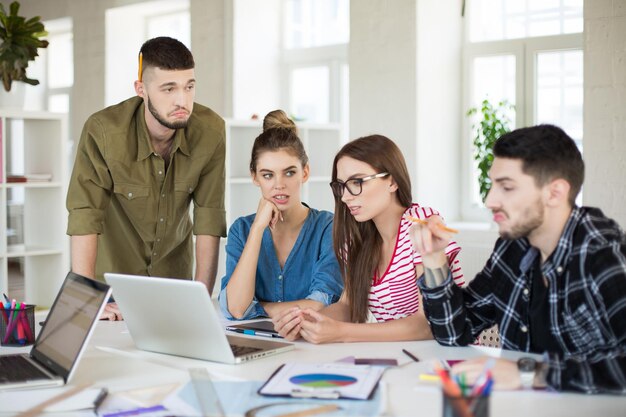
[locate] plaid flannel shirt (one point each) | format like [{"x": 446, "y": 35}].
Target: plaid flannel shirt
[{"x": 586, "y": 275}]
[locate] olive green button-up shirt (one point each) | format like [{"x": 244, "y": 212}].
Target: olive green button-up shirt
[{"x": 120, "y": 190}]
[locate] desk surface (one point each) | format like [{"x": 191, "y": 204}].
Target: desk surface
[{"x": 112, "y": 361}]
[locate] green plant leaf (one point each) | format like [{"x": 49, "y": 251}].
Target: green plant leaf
[
  {"x": 19, "y": 41},
  {"x": 492, "y": 124}
]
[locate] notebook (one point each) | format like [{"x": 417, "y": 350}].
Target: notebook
[
  {"x": 62, "y": 339},
  {"x": 177, "y": 317},
  {"x": 256, "y": 328}
]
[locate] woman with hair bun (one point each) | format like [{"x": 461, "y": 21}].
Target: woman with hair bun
[{"x": 282, "y": 255}]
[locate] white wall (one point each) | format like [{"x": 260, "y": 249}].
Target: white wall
[
  {"x": 604, "y": 142},
  {"x": 439, "y": 112},
  {"x": 405, "y": 61},
  {"x": 382, "y": 60}
]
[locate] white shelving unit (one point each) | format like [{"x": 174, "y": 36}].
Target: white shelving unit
[
  {"x": 321, "y": 143},
  {"x": 33, "y": 218}
]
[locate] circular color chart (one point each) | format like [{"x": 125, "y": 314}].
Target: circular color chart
[{"x": 322, "y": 380}]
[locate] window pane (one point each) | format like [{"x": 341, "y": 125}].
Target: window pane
[
  {"x": 60, "y": 60},
  {"x": 59, "y": 103},
  {"x": 310, "y": 94},
  {"x": 175, "y": 25},
  {"x": 560, "y": 91},
  {"x": 509, "y": 19},
  {"x": 494, "y": 79},
  {"x": 316, "y": 22}
]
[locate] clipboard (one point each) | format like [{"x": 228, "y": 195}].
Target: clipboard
[{"x": 328, "y": 381}]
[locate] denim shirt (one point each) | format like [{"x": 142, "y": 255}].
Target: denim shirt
[{"x": 311, "y": 270}]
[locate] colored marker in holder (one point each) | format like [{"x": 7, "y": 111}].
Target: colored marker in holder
[{"x": 17, "y": 324}]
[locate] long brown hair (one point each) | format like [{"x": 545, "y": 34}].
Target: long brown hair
[{"x": 357, "y": 245}]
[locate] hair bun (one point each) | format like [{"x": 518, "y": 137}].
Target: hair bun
[{"x": 278, "y": 119}]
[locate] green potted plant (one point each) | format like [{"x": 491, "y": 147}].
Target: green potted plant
[
  {"x": 19, "y": 41},
  {"x": 493, "y": 122}
]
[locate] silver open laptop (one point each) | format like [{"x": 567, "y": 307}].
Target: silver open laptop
[
  {"x": 177, "y": 317},
  {"x": 62, "y": 339}
]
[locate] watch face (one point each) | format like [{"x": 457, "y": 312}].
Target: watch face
[{"x": 526, "y": 364}]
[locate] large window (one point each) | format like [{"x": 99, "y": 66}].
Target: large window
[
  {"x": 315, "y": 38},
  {"x": 529, "y": 53}
]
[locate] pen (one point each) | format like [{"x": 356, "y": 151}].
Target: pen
[
  {"x": 100, "y": 398},
  {"x": 410, "y": 355},
  {"x": 251, "y": 332}
]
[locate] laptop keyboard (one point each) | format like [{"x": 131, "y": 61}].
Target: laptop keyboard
[
  {"x": 19, "y": 369},
  {"x": 239, "y": 350}
]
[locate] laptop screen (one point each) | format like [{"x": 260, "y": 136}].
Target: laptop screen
[{"x": 69, "y": 323}]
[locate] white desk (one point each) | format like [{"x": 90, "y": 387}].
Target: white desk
[{"x": 112, "y": 361}]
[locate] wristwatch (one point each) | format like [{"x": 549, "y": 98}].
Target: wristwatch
[{"x": 527, "y": 367}]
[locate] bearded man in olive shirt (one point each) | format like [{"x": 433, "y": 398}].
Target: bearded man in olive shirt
[{"x": 139, "y": 164}]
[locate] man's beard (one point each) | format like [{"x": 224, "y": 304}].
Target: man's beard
[
  {"x": 170, "y": 125},
  {"x": 533, "y": 218}
]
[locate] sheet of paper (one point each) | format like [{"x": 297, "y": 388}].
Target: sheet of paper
[
  {"x": 239, "y": 397},
  {"x": 14, "y": 401},
  {"x": 349, "y": 381}
]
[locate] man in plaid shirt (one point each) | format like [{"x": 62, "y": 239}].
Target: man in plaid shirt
[{"x": 555, "y": 283}]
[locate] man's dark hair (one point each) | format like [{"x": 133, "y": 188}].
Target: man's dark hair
[
  {"x": 547, "y": 153},
  {"x": 166, "y": 53}
]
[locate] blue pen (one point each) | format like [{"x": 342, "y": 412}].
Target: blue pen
[{"x": 251, "y": 332}]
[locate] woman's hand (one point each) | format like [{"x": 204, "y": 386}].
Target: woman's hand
[
  {"x": 267, "y": 214},
  {"x": 318, "y": 328},
  {"x": 288, "y": 323}
]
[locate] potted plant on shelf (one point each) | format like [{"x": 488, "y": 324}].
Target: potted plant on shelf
[
  {"x": 494, "y": 121},
  {"x": 19, "y": 41}
]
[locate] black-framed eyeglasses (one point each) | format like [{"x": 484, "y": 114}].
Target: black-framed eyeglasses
[{"x": 354, "y": 185}]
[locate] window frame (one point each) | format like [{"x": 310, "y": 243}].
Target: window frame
[
  {"x": 525, "y": 51},
  {"x": 332, "y": 57}
]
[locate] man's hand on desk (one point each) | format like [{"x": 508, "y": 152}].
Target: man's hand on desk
[
  {"x": 111, "y": 312},
  {"x": 506, "y": 374}
]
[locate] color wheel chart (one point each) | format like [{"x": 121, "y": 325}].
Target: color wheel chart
[
  {"x": 322, "y": 380},
  {"x": 347, "y": 380}
]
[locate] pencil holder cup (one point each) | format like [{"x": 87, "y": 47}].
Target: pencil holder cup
[
  {"x": 471, "y": 406},
  {"x": 17, "y": 326}
]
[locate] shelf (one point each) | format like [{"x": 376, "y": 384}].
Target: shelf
[
  {"x": 17, "y": 251},
  {"x": 33, "y": 218},
  {"x": 34, "y": 184}
]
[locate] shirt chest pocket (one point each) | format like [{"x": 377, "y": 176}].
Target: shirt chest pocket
[
  {"x": 584, "y": 329},
  {"x": 183, "y": 192},
  {"x": 134, "y": 198}
]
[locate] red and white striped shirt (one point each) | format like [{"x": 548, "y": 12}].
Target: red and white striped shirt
[{"x": 395, "y": 295}]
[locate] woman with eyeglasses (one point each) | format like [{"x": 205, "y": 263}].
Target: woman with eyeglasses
[
  {"x": 282, "y": 255},
  {"x": 372, "y": 235}
]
